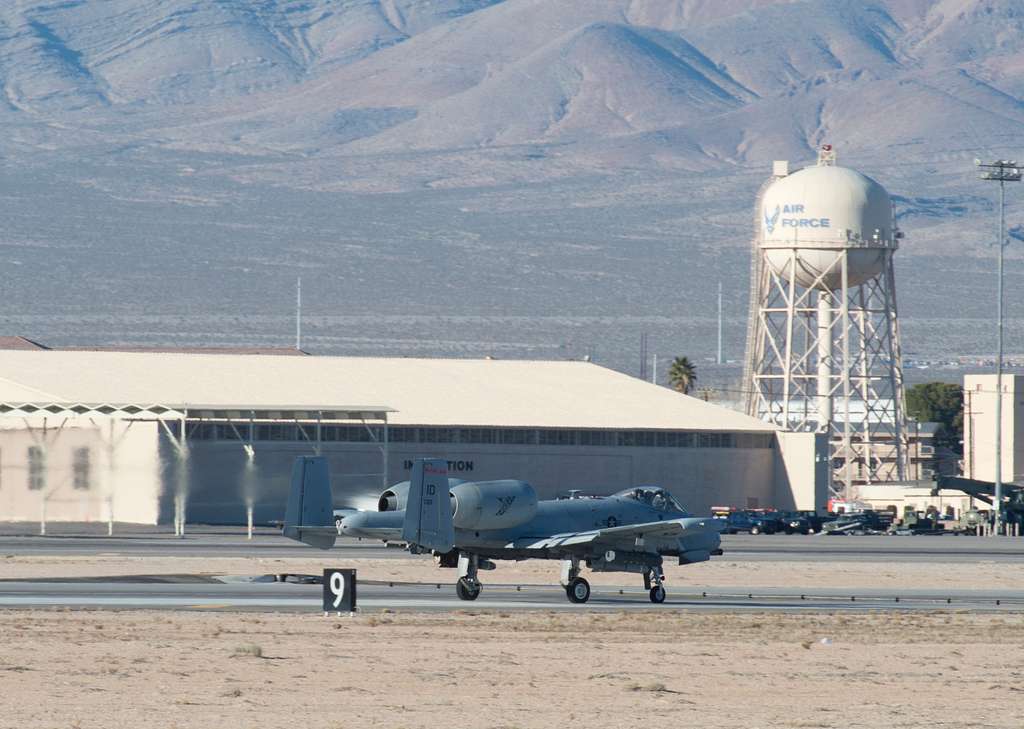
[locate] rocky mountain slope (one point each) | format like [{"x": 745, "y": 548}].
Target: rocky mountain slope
[{"x": 585, "y": 168}]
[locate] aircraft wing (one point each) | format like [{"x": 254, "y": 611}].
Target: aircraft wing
[{"x": 619, "y": 535}]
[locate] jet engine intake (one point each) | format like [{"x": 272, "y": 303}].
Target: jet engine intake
[
  {"x": 394, "y": 498},
  {"x": 493, "y": 504}
]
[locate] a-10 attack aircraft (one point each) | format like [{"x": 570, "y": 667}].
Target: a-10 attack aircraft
[{"x": 469, "y": 524}]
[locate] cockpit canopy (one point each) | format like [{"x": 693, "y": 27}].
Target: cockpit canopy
[{"x": 653, "y": 496}]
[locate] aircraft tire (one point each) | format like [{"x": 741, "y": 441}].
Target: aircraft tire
[
  {"x": 467, "y": 590},
  {"x": 658, "y": 594},
  {"x": 578, "y": 590}
]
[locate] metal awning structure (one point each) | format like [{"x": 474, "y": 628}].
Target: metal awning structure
[{"x": 191, "y": 411}]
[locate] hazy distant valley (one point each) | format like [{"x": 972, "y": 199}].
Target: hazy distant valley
[{"x": 462, "y": 178}]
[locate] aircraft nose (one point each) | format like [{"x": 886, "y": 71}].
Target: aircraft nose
[{"x": 353, "y": 523}]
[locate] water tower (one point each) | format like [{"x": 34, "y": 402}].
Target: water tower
[{"x": 823, "y": 344}]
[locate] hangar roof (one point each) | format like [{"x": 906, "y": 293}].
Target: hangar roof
[{"x": 443, "y": 392}]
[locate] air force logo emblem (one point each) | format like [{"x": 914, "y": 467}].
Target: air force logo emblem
[{"x": 771, "y": 220}]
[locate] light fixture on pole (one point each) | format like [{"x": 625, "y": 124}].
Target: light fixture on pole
[{"x": 1001, "y": 171}]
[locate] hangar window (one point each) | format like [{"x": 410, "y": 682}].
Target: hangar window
[
  {"x": 402, "y": 435},
  {"x": 710, "y": 440},
  {"x": 225, "y": 431},
  {"x": 552, "y": 437},
  {"x": 746, "y": 440},
  {"x": 476, "y": 435},
  {"x": 80, "y": 469},
  {"x": 329, "y": 433},
  {"x": 350, "y": 434},
  {"x": 36, "y": 468},
  {"x": 644, "y": 438},
  {"x": 683, "y": 440},
  {"x": 597, "y": 438},
  {"x": 518, "y": 436},
  {"x": 437, "y": 435},
  {"x": 202, "y": 431},
  {"x": 280, "y": 432}
]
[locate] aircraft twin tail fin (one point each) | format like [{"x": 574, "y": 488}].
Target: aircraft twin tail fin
[
  {"x": 309, "y": 517},
  {"x": 428, "y": 511}
]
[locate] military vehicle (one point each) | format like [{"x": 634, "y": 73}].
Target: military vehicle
[{"x": 467, "y": 525}]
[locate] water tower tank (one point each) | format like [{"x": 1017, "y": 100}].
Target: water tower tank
[{"x": 819, "y": 210}]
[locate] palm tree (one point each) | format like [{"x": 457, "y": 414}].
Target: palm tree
[{"x": 682, "y": 375}]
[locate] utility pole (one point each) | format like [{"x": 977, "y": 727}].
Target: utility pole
[
  {"x": 643, "y": 355},
  {"x": 719, "y": 359},
  {"x": 1002, "y": 171},
  {"x": 298, "y": 313}
]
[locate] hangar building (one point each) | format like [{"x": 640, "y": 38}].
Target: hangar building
[{"x": 156, "y": 437}]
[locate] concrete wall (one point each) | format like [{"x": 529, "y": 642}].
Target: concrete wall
[
  {"x": 980, "y": 427},
  {"x": 801, "y": 472},
  {"x": 121, "y": 480}
]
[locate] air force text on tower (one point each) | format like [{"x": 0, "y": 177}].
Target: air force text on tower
[{"x": 770, "y": 221}]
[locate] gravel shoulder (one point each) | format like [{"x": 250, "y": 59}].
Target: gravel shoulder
[{"x": 501, "y": 671}]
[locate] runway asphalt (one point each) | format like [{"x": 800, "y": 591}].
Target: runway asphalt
[
  {"x": 191, "y": 592},
  {"x": 268, "y": 543},
  {"x": 204, "y": 594}
]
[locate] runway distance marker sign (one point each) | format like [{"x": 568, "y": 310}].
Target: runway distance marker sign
[{"x": 339, "y": 591}]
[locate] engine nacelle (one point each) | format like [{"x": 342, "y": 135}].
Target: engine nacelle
[
  {"x": 394, "y": 498},
  {"x": 493, "y": 504}
]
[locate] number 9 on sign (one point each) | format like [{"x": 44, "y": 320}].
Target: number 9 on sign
[
  {"x": 339, "y": 591},
  {"x": 337, "y": 588}
]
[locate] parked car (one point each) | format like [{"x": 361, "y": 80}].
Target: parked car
[
  {"x": 794, "y": 522},
  {"x": 857, "y": 522},
  {"x": 804, "y": 522},
  {"x": 738, "y": 522}
]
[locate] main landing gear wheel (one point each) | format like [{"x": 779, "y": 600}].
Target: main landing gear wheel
[
  {"x": 467, "y": 589},
  {"x": 658, "y": 594},
  {"x": 578, "y": 590}
]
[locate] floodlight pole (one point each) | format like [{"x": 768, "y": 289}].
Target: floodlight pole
[{"x": 1002, "y": 171}]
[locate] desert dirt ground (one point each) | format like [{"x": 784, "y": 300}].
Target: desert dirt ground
[
  {"x": 485, "y": 670},
  {"x": 719, "y": 572}
]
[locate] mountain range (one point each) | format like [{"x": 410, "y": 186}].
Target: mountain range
[{"x": 467, "y": 177}]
